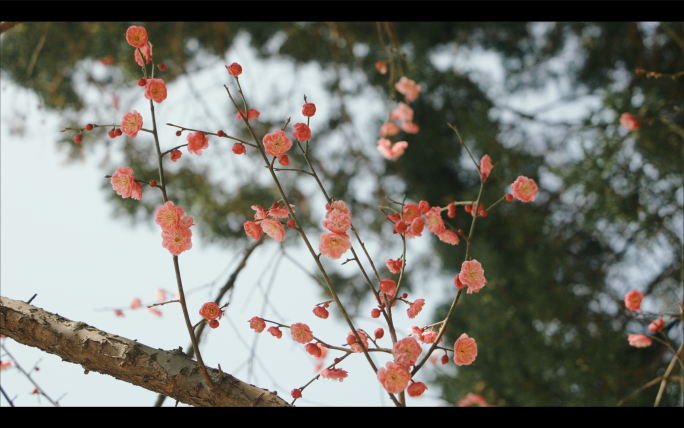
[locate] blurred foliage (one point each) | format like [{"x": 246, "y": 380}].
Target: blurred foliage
[{"x": 550, "y": 326}]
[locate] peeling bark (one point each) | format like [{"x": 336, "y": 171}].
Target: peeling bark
[{"x": 170, "y": 373}]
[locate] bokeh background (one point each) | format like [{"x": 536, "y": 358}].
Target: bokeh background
[{"x": 542, "y": 99}]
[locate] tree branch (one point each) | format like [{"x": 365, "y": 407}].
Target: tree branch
[{"x": 170, "y": 373}]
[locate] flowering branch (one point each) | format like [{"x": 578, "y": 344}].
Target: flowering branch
[{"x": 38, "y": 389}]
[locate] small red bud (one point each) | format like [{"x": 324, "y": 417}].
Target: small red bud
[
  {"x": 284, "y": 160},
  {"x": 405, "y": 295},
  {"x": 484, "y": 176},
  {"x": 375, "y": 313},
  {"x": 78, "y": 138},
  {"x": 153, "y": 183},
  {"x": 275, "y": 205},
  {"x": 141, "y": 82},
  {"x": 460, "y": 232},
  {"x": 212, "y": 323},
  {"x": 483, "y": 213},
  {"x": 162, "y": 67},
  {"x": 118, "y": 132},
  {"x": 320, "y": 312},
  {"x": 337, "y": 360},
  {"x": 445, "y": 359},
  {"x": 37, "y": 369},
  {"x": 351, "y": 339},
  {"x": 326, "y": 305},
  {"x": 296, "y": 393},
  {"x": 220, "y": 133},
  {"x": 468, "y": 208},
  {"x": 89, "y": 127},
  {"x": 111, "y": 134},
  {"x": 35, "y": 391},
  {"x": 290, "y": 223},
  {"x": 479, "y": 209},
  {"x": 178, "y": 133},
  {"x": 379, "y": 333},
  {"x": 509, "y": 197}
]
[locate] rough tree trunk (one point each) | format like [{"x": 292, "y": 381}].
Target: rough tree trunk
[{"x": 170, "y": 373}]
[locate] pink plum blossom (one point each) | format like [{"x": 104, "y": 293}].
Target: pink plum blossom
[
  {"x": 394, "y": 266},
  {"x": 434, "y": 221},
  {"x": 252, "y": 230},
  {"x": 411, "y": 212},
  {"x": 146, "y": 53},
  {"x": 277, "y": 143},
  {"x": 415, "y": 308},
  {"x": 309, "y": 109},
  {"x": 337, "y": 223},
  {"x": 355, "y": 347},
  {"x": 260, "y": 213},
  {"x": 448, "y": 237},
  {"x": 334, "y": 374},
  {"x": 465, "y": 350},
  {"x": 302, "y": 132},
  {"x": 393, "y": 377},
  {"x": 257, "y": 324},
  {"x": 639, "y": 340},
  {"x": 155, "y": 311},
  {"x": 301, "y": 333},
  {"x": 275, "y": 331},
  {"x": 239, "y": 149},
  {"x": 252, "y": 114},
  {"x": 389, "y": 130},
  {"x": 657, "y": 325},
  {"x": 334, "y": 245},
  {"x": 472, "y": 275},
  {"x": 210, "y": 311},
  {"x": 408, "y": 347},
  {"x": 410, "y": 128},
  {"x": 471, "y": 399},
  {"x": 416, "y": 230},
  {"x": 321, "y": 312},
  {"x": 524, "y": 189},
  {"x": 175, "y": 155},
  {"x": 402, "y": 113},
  {"x": 389, "y": 151},
  {"x": 633, "y": 300},
  {"x": 135, "y": 303},
  {"x": 280, "y": 212},
  {"x": 234, "y": 69},
  {"x": 388, "y": 287},
  {"x": 155, "y": 90},
  {"x": 136, "y": 36},
  {"x": 429, "y": 337},
  {"x": 629, "y": 121},
  {"x": 313, "y": 350},
  {"x": 486, "y": 165},
  {"x": 161, "y": 295},
  {"x": 197, "y": 141},
  {"x": 131, "y": 124},
  {"x": 337, "y": 207},
  {"x": 170, "y": 217},
  {"x": 408, "y": 88},
  {"x": 177, "y": 240},
  {"x": 274, "y": 229},
  {"x": 416, "y": 389},
  {"x": 123, "y": 181}
]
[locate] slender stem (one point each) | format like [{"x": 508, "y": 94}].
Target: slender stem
[
  {"x": 466, "y": 147},
  {"x": 28, "y": 376},
  {"x": 638, "y": 391},
  {"x": 666, "y": 376},
  {"x": 6, "y": 396},
  {"x": 164, "y": 303},
  {"x": 319, "y": 375}
]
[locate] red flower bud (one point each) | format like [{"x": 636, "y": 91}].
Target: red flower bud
[
  {"x": 460, "y": 232},
  {"x": 484, "y": 176},
  {"x": 379, "y": 333},
  {"x": 483, "y": 213},
  {"x": 468, "y": 208},
  {"x": 239, "y": 149},
  {"x": 351, "y": 339},
  {"x": 220, "y": 133},
  {"x": 178, "y": 133},
  {"x": 321, "y": 312},
  {"x": 296, "y": 393},
  {"x": 78, "y": 138},
  {"x": 212, "y": 323},
  {"x": 118, "y": 132},
  {"x": 153, "y": 183},
  {"x": 111, "y": 134},
  {"x": 162, "y": 67},
  {"x": 375, "y": 313},
  {"x": 399, "y": 227},
  {"x": 141, "y": 82},
  {"x": 509, "y": 197},
  {"x": 326, "y": 305},
  {"x": 445, "y": 359},
  {"x": 89, "y": 127},
  {"x": 337, "y": 360},
  {"x": 290, "y": 223},
  {"x": 284, "y": 160}
]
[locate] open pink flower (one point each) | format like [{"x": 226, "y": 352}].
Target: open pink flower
[
  {"x": 471, "y": 399},
  {"x": 657, "y": 325},
  {"x": 210, "y": 311},
  {"x": 434, "y": 221},
  {"x": 234, "y": 69},
  {"x": 472, "y": 275},
  {"x": 408, "y": 88},
  {"x": 416, "y": 230},
  {"x": 177, "y": 240},
  {"x": 448, "y": 237},
  {"x": 416, "y": 389},
  {"x": 524, "y": 189},
  {"x": 408, "y": 347},
  {"x": 146, "y": 53},
  {"x": 355, "y": 347},
  {"x": 337, "y": 207},
  {"x": 424, "y": 207},
  {"x": 274, "y": 229},
  {"x": 389, "y": 151},
  {"x": 175, "y": 155},
  {"x": 393, "y": 377},
  {"x": 411, "y": 212},
  {"x": 313, "y": 350},
  {"x": 415, "y": 308},
  {"x": 334, "y": 245},
  {"x": 629, "y": 121},
  {"x": 388, "y": 287},
  {"x": 170, "y": 217},
  {"x": 389, "y": 130},
  {"x": 429, "y": 337},
  {"x": 301, "y": 132},
  {"x": 639, "y": 340},
  {"x": 465, "y": 350},
  {"x": 275, "y": 331},
  {"x": 486, "y": 165},
  {"x": 334, "y": 374},
  {"x": 131, "y": 124},
  {"x": 633, "y": 300},
  {"x": 280, "y": 212},
  {"x": 155, "y": 90},
  {"x": 257, "y": 324},
  {"x": 135, "y": 303},
  {"x": 277, "y": 143},
  {"x": 301, "y": 333},
  {"x": 309, "y": 109},
  {"x": 410, "y": 128},
  {"x": 260, "y": 213},
  {"x": 253, "y": 230},
  {"x": 197, "y": 141},
  {"x": 253, "y": 114},
  {"x": 394, "y": 266},
  {"x": 123, "y": 181},
  {"x": 337, "y": 223},
  {"x": 136, "y": 36},
  {"x": 402, "y": 113}
]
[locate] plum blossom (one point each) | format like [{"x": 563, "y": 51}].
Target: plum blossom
[
  {"x": 448, "y": 237},
  {"x": 260, "y": 213},
  {"x": 389, "y": 130},
  {"x": 301, "y": 333},
  {"x": 280, "y": 212},
  {"x": 434, "y": 221},
  {"x": 393, "y": 377},
  {"x": 175, "y": 155},
  {"x": 402, "y": 113},
  {"x": 639, "y": 340},
  {"x": 170, "y": 217},
  {"x": 471, "y": 399},
  {"x": 486, "y": 165},
  {"x": 394, "y": 266},
  {"x": 408, "y": 88},
  {"x": 234, "y": 69},
  {"x": 381, "y": 66},
  {"x": 296, "y": 393},
  {"x": 411, "y": 212},
  {"x": 337, "y": 222},
  {"x": 211, "y": 311},
  {"x": 629, "y": 121},
  {"x": 309, "y": 109},
  {"x": 239, "y": 149},
  {"x": 197, "y": 141},
  {"x": 257, "y": 324},
  {"x": 429, "y": 337},
  {"x": 131, "y": 124},
  {"x": 334, "y": 245},
  {"x": 472, "y": 275},
  {"x": 155, "y": 90},
  {"x": 135, "y": 303},
  {"x": 416, "y": 332},
  {"x": 177, "y": 240},
  {"x": 355, "y": 346},
  {"x": 633, "y": 300},
  {"x": 334, "y": 374},
  {"x": 410, "y": 128},
  {"x": 321, "y": 312},
  {"x": 388, "y": 287},
  {"x": 252, "y": 114},
  {"x": 524, "y": 189},
  {"x": 465, "y": 350},
  {"x": 301, "y": 132},
  {"x": 275, "y": 331},
  {"x": 337, "y": 207},
  {"x": 416, "y": 389},
  {"x": 417, "y": 226},
  {"x": 389, "y": 151},
  {"x": 415, "y": 308},
  {"x": 409, "y": 349},
  {"x": 274, "y": 229},
  {"x": 123, "y": 181},
  {"x": 657, "y": 325},
  {"x": 277, "y": 143},
  {"x": 313, "y": 350},
  {"x": 136, "y": 36},
  {"x": 146, "y": 53}
]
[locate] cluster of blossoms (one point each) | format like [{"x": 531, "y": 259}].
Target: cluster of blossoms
[
  {"x": 337, "y": 221},
  {"x": 633, "y": 301},
  {"x": 272, "y": 226},
  {"x": 403, "y": 114},
  {"x": 212, "y": 313},
  {"x": 414, "y": 218},
  {"x": 175, "y": 224},
  {"x": 123, "y": 182}
]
